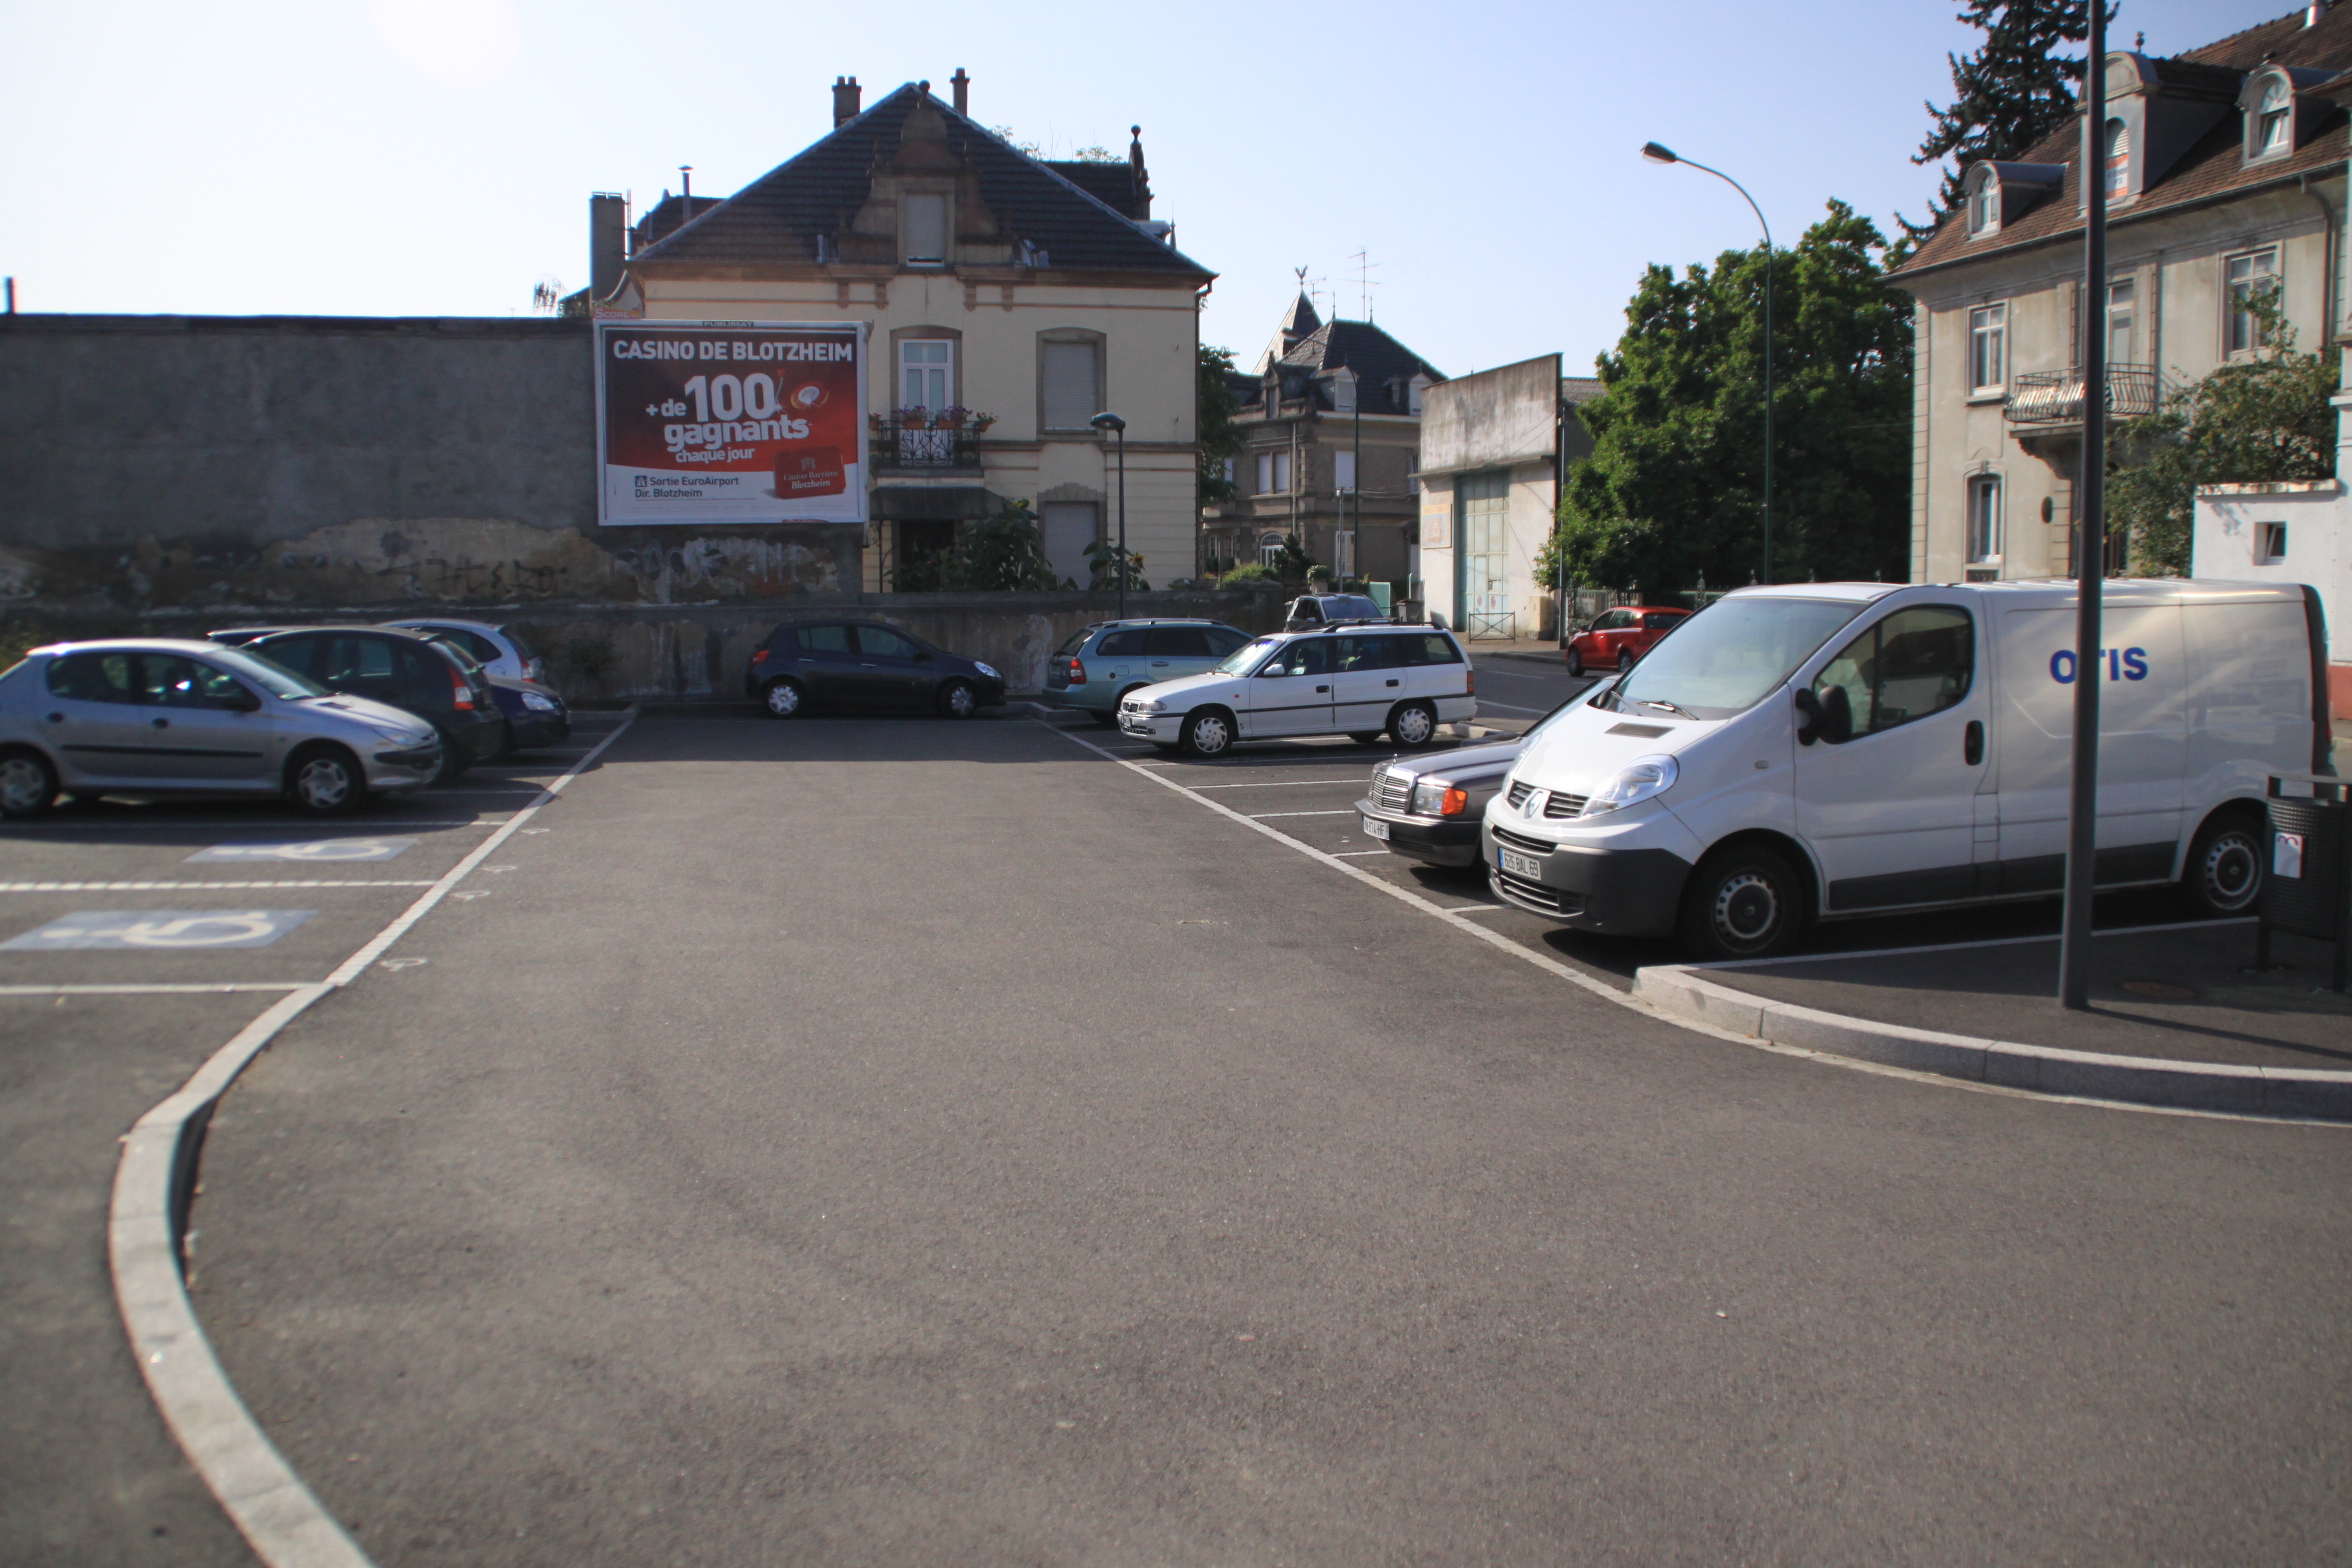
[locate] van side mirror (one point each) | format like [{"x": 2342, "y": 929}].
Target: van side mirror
[
  {"x": 1808, "y": 716},
  {"x": 1837, "y": 717}
]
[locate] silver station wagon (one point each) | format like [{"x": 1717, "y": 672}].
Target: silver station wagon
[
  {"x": 158, "y": 717},
  {"x": 1358, "y": 680}
]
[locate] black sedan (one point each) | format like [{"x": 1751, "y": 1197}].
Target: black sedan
[
  {"x": 868, "y": 666},
  {"x": 408, "y": 671}
]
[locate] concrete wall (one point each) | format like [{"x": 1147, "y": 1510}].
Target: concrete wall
[
  {"x": 1492, "y": 419},
  {"x": 282, "y": 461}
]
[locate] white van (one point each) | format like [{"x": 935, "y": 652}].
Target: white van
[
  {"x": 1834, "y": 750},
  {"x": 1358, "y": 679}
]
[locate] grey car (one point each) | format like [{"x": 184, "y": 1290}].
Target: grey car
[
  {"x": 1093, "y": 670},
  {"x": 155, "y": 717},
  {"x": 1428, "y": 808}
]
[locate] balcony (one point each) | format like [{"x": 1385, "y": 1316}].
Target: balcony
[
  {"x": 2044, "y": 398},
  {"x": 918, "y": 441}
]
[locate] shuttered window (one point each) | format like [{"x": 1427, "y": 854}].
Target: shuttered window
[{"x": 1073, "y": 393}]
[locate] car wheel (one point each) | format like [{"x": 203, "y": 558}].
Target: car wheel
[
  {"x": 1624, "y": 660},
  {"x": 454, "y": 759},
  {"x": 1575, "y": 660},
  {"x": 2224, "y": 873},
  {"x": 1412, "y": 724},
  {"x": 783, "y": 699},
  {"x": 28, "y": 785},
  {"x": 325, "y": 781},
  {"x": 1744, "y": 903},
  {"x": 1364, "y": 737},
  {"x": 1208, "y": 733},
  {"x": 957, "y": 700}
]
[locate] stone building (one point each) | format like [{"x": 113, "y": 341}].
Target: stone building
[
  {"x": 2225, "y": 178},
  {"x": 1008, "y": 300},
  {"x": 1331, "y": 425}
]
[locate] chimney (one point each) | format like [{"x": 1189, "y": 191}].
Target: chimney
[
  {"x": 845, "y": 100},
  {"x": 608, "y": 235},
  {"x": 2317, "y": 9},
  {"x": 963, "y": 91}
]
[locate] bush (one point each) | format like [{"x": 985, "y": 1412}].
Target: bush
[{"x": 1250, "y": 573}]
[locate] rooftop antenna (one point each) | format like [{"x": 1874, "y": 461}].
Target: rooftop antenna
[{"x": 1365, "y": 282}]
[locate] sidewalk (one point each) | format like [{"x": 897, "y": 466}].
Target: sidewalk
[
  {"x": 2178, "y": 1016},
  {"x": 1541, "y": 650}
]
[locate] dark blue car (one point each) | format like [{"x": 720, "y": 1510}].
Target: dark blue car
[{"x": 865, "y": 665}]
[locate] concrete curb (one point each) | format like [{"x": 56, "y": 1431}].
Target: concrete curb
[
  {"x": 146, "y": 1234},
  {"x": 2303, "y": 1093}
]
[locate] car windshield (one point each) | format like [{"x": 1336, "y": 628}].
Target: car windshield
[
  {"x": 268, "y": 674},
  {"x": 1728, "y": 657},
  {"x": 1353, "y": 607},
  {"x": 1242, "y": 660}
]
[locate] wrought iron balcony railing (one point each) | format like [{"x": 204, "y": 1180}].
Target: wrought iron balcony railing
[
  {"x": 914, "y": 439},
  {"x": 2055, "y": 397}
]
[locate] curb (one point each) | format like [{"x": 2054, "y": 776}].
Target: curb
[
  {"x": 1550, "y": 657},
  {"x": 2302, "y": 1093}
]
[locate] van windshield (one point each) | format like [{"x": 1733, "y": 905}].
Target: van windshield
[
  {"x": 1730, "y": 656},
  {"x": 1244, "y": 659}
]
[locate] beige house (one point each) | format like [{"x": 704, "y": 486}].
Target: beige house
[
  {"x": 1330, "y": 423},
  {"x": 2225, "y": 171},
  {"x": 1008, "y": 301}
]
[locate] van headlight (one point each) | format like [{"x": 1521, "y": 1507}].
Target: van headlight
[{"x": 1637, "y": 781}]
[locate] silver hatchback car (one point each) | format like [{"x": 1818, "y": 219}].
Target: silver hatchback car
[{"x": 159, "y": 716}]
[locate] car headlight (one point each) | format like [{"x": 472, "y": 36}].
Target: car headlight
[
  {"x": 1437, "y": 798},
  {"x": 1637, "y": 781},
  {"x": 1150, "y": 705},
  {"x": 988, "y": 670},
  {"x": 537, "y": 704}
]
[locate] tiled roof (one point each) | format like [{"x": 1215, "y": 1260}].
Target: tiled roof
[
  {"x": 1379, "y": 361},
  {"x": 2214, "y": 166},
  {"x": 1112, "y": 184},
  {"x": 779, "y": 216}
]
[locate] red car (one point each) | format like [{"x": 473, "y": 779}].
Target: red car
[{"x": 1621, "y": 636}]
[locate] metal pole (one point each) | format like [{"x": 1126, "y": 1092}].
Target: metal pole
[
  {"x": 1767, "y": 228},
  {"x": 1122, "y": 522},
  {"x": 1358, "y": 486},
  {"x": 2090, "y": 546}
]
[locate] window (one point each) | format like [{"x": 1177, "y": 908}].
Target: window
[
  {"x": 356, "y": 659},
  {"x": 1988, "y": 330},
  {"x": 885, "y": 643},
  {"x": 1270, "y": 550},
  {"x": 1343, "y": 553},
  {"x": 1343, "y": 471},
  {"x": 926, "y": 230},
  {"x": 926, "y": 373},
  {"x": 1178, "y": 642},
  {"x": 2273, "y": 545},
  {"x": 1073, "y": 384},
  {"x": 1427, "y": 648},
  {"x": 824, "y": 639},
  {"x": 1307, "y": 656},
  {"x": 1069, "y": 528},
  {"x": 1913, "y": 663},
  {"x": 1983, "y": 206},
  {"x": 1343, "y": 393},
  {"x": 1224, "y": 640},
  {"x": 169, "y": 681},
  {"x": 424, "y": 677},
  {"x": 2120, "y": 298},
  {"x": 1121, "y": 645},
  {"x": 2118, "y": 158},
  {"x": 1230, "y": 476},
  {"x": 1413, "y": 391},
  {"x": 2273, "y": 121},
  {"x": 1366, "y": 653},
  {"x": 2248, "y": 277},
  {"x": 92, "y": 677},
  {"x": 1984, "y": 522},
  {"x": 1273, "y": 473}
]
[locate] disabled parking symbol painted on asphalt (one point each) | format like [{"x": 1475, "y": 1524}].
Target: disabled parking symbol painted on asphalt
[
  {"x": 312, "y": 852},
  {"x": 151, "y": 930}
]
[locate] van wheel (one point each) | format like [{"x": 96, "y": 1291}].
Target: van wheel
[
  {"x": 1412, "y": 724},
  {"x": 782, "y": 699},
  {"x": 28, "y": 785},
  {"x": 1208, "y": 733},
  {"x": 1747, "y": 902},
  {"x": 1575, "y": 660},
  {"x": 325, "y": 781},
  {"x": 2224, "y": 873}
]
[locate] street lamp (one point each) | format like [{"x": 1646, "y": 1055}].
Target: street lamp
[
  {"x": 1113, "y": 422},
  {"x": 1658, "y": 154}
]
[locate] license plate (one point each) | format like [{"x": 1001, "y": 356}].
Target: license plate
[
  {"x": 1522, "y": 866},
  {"x": 1376, "y": 828}
]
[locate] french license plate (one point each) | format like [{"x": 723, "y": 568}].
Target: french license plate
[
  {"x": 1522, "y": 866},
  {"x": 1376, "y": 828}
]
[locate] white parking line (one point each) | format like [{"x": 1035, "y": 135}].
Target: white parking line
[
  {"x": 262, "y": 1495},
  {"x": 372, "y": 830},
  {"x": 1258, "y": 814},
  {"x": 204, "y": 989},
  {"x": 1284, "y": 783},
  {"x": 181, "y": 887},
  {"x": 1357, "y": 854}
]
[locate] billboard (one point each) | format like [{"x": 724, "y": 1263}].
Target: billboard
[{"x": 731, "y": 421}]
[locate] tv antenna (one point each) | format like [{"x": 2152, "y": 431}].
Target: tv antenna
[{"x": 1365, "y": 282}]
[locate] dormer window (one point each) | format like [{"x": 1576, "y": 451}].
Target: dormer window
[
  {"x": 1984, "y": 208},
  {"x": 2118, "y": 159},
  {"x": 2273, "y": 122},
  {"x": 925, "y": 228}
]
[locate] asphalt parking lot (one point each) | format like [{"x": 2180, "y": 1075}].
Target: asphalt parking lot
[{"x": 873, "y": 1141}]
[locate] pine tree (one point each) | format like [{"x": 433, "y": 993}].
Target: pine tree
[{"x": 2009, "y": 94}]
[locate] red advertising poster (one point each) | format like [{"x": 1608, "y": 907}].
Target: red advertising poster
[{"x": 731, "y": 422}]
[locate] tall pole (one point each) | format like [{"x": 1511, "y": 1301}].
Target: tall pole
[
  {"x": 1357, "y": 485},
  {"x": 1122, "y": 520},
  {"x": 1659, "y": 154},
  {"x": 2090, "y": 542}
]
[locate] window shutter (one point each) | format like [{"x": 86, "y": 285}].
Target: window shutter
[
  {"x": 926, "y": 228},
  {"x": 1070, "y": 395}
]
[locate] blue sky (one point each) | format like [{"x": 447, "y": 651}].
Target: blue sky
[{"x": 434, "y": 157}]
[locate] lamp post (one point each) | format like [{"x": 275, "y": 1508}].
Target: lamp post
[
  {"x": 1658, "y": 154},
  {"x": 1113, "y": 422}
]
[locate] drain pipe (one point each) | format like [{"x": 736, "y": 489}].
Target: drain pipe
[{"x": 2327, "y": 287}]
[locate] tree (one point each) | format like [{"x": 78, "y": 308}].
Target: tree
[
  {"x": 2008, "y": 95},
  {"x": 2267, "y": 418},
  {"x": 1004, "y": 553},
  {"x": 1673, "y": 489},
  {"x": 1214, "y": 410}
]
